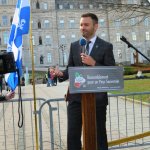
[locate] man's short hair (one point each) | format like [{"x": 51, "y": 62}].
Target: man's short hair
[{"x": 92, "y": 16}]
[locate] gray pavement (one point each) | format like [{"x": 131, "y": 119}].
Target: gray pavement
[{"x": 56, "y": 92}]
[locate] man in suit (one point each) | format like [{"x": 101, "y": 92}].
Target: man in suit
[{"x": 100, "y": 54}]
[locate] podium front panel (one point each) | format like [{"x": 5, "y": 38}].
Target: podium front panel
[{"x": 95, "y": 79}]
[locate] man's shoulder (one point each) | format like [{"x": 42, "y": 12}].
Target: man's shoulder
[
  {"x": 103, "y": 41},
  {"x": 75, "y": 42}
]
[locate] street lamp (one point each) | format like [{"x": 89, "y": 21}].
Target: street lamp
[{"x": 62, "y": 47}]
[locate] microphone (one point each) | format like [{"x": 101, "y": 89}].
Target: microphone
[
  {"x": 125, "y": 40},
  {"x": 82, "y": 43},
  {"x": 130, "y": 45}
]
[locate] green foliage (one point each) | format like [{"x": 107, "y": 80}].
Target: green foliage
[
  {"x": 38, "y": 74},
  {"x": 129, "y": 70}
]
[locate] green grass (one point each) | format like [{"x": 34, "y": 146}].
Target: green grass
[{"x": 138, "y": 85}]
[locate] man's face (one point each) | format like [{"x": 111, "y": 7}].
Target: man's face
[{"x": 87, "y": 27}]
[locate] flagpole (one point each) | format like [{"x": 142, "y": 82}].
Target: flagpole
[{"x": 33, "y": 81}]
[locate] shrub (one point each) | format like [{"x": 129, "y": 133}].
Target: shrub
[{"x": 129, "y": 70}]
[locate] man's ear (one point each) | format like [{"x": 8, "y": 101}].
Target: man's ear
[{"x": 96, "y": 26}]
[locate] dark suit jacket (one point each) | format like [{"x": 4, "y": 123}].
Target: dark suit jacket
[{"x": 102, "y": 53}]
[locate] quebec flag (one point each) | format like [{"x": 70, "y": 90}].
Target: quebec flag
[{"x": 20, "y": 26}]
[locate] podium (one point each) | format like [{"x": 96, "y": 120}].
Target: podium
[
  {"x": 89, "y": 121},
  {"x": 88, "y": 81}
]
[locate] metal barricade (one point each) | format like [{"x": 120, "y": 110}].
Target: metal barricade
[
  {"x": 128, "y": 122},
  {"x": 11, "y": 136},
  {"x": 55, "y": 119}
]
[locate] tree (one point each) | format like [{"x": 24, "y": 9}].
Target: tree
[{"x": 122, "y": 11}]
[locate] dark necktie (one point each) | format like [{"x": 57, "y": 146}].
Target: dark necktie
[{"x": 87, "y": 47}]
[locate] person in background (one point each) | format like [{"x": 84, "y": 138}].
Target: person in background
[
  {"x": 49, "y": 81},
  {"x": 100, "y": 54},
  {"x": 55, "y": 80},
  {"x": 8, "y": 96},
  {"x": 45, "y": 79},
  {"x": 55, "y": 76},
  {"x": 52, "y": 74},
  {"x": 23, "y": 81},
  {"x": 1, "y": 83}
]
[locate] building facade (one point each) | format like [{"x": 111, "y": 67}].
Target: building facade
[{"x": 55, "y": 24}]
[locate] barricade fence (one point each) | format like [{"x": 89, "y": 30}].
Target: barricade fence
[
  {"x": 128, "y": 123},
  {"x": 11, "y": 136}
]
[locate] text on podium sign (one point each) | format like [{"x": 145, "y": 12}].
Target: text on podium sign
[{"x": 95, "y": 79}]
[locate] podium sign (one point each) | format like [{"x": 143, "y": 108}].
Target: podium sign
[{"x": 95, "y": 79}]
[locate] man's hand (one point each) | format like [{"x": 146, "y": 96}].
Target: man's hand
[
  {"x": 10, "y": 95},
  {"x": 88, "y": 60},
  {"x": 58, "y": 73}
]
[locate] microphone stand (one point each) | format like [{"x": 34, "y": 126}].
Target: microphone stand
[{"x": 130, "y": 45}]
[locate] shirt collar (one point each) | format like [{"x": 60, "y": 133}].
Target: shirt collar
[{"x": 93, "y": 39}]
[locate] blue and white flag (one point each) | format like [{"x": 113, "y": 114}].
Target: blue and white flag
[{"x": 20, "y": 26}]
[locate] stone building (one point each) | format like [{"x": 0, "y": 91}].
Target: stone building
[{"x": 55, "y": 24}]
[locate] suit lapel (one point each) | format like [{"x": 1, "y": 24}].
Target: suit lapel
[{"x": 96, "y": 46}]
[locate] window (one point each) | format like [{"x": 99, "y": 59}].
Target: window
[
  {"x": 41, "y": 59},
  {"x": 49, "y": 58},
  {"x": 60, "y": 6},
  {"x": 146, "y": 21},
  {"x": 118, "y": 37},
  {"x": 100, "y": 6},
  {"x": 91, "y": 6},
  {"x": 34, "y": 57},
  {"x": 117, "y": 23},
  {"x": 71, "y": 6},
  {"x": 40, "y": 40},
  {"x": 61, "y": 24},
  {"x": 72, "y": 24},
  {"x": 65, "y": 58},
  {"x": 63, "y": 39},
  {"x": 33, "y": 40},
  {"x": 101, "y": 22},
  {"x": 46, "y": 24},
  {"x": 130, "y": 2},
  {"x": 132, "y": 21},
  {"x": 119, "y": 54},
  {"x": 6, "y": 37},
  {"x": 45, "y": 6},
  {"x": 4, "y": 20},
  {"x": 133, "y": 36},
  {"x": 39, "y": 25},
  {"x": 33, "y": 24},
  {"x": 11, "y": 20},
  {"x": 81, "y": 6},
  {"x": 103, "y": 35},
  {"x": 135, "y": 1},
  {"x": 48, "y": 40},
  {"x": 147, "y": 36},
  {"x": 37, "y": 5},
  {"x": 73, "y": 37},
  {"x": 3, "y": 1}
]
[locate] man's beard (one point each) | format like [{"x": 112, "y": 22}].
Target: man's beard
[{"x": 84, "y": 35}]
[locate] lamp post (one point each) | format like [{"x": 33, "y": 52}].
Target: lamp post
[{"x": 62, "y": 47}]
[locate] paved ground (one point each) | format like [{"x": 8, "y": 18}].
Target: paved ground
[{"x": 42, "y": 91}]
